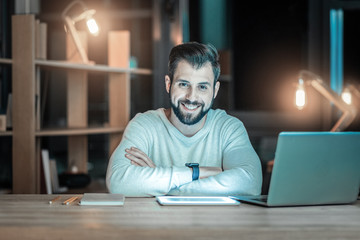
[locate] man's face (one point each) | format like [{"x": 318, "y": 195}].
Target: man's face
[{"x": 191, "y": 92}]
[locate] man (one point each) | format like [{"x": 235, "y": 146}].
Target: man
[{"x": 156, "y": 145}]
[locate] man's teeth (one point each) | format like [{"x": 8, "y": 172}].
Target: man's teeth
[{"x": 190, "y": 106}]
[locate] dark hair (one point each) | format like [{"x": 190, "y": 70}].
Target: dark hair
[{"x": 197, "y": 55}]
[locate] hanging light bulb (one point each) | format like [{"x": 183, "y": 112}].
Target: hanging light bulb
[
  {"x": 346, "y": 96},
  {"x": 300, "y": 98}
]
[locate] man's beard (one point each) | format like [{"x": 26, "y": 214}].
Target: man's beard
[{"x": 189, "y": 118}]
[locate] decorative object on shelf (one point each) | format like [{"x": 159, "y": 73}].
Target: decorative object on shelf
[
  {"x": 307, "y": 78},
  {"x": 70, "y": 21}
]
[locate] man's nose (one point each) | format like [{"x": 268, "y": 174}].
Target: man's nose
[{"x": 191, "y": 94}]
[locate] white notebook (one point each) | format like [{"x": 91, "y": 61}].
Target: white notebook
[{"x": 102, "y": 199}]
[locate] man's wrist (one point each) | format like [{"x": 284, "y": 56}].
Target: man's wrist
[{"x": 195, "y": 170}]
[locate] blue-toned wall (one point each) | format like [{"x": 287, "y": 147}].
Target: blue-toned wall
[{"x": 214, "y": 23}]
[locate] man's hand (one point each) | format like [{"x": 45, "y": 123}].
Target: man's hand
[
  {"x": 138, "y": 158},
  {"x": 209, "y": 171}
]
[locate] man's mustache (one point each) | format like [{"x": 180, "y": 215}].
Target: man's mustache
[{"x": 190, "y": 102}]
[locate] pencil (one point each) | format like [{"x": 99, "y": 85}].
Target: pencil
[
  {"x": 69, "y": 200},
  {"x": 54, "y": 200}
]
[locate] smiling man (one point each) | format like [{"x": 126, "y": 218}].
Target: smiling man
[{"x": 189, "y": 149}]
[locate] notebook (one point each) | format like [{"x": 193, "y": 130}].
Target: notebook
[
  {"x": 313, "y": 168},
  {"x": 102, "y": 199}
]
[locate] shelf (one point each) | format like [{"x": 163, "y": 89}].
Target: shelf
[
  {"x": 6, "y": 133},
  {"x": 91, "y": 67},
  {"x": 85, "y": 67},
  {"x": 27, "y": 133},
  {"x": 78, "y": 131},
  {"x": 108, "y": 13},
  {"x": 6, "y": 60}
]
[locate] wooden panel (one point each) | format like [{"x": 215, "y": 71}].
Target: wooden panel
[
  {"x": 24, "y": 166},
  {"x": 119, "y": 83},
  {"x": 77, "y": 99},
  {"x": 77, "y": 106}
]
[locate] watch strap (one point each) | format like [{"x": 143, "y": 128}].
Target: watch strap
[
  {"x": 195, "y": 174},
  {"x": 195, "y": 168}
]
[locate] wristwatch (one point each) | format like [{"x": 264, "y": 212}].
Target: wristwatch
[{"x": 195, "y": 168}]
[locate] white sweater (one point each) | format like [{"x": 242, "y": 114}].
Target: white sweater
[{"x": 222, "y": 142}]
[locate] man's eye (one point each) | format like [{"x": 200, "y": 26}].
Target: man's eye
[
  {"x": 182, "y": 84},
  {"x": 203, "y": 87}
]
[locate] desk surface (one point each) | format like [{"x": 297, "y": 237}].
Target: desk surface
[{"x": 32, "y": 217}]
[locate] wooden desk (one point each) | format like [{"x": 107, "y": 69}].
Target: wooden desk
[{"x": 32, "y": 217}]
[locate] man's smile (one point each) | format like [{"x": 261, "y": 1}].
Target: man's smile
[{"x": 190, "y": 107}]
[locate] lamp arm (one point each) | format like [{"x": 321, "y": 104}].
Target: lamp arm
[
  {"x": 303, "y": 73},
  {"x": 68, "y": 7},
  {"x": 349, "y": 112},
  {"x": 343, "y": 122},
  {"x": 354, "y": 90},
  {"x": 75, "y": 36}
]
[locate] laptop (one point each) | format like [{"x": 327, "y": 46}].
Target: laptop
[{"x": 313, "y": 168}]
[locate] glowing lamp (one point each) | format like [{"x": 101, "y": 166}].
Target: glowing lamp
[
  {"x": 87, "y": 15},
  {"x": 300, "y": 98},
  {"x": 346, "y": 96},
  {"x": 312, "y": 80}
]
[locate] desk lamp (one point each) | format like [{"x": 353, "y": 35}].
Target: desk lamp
[
  {"x": 307, "y": 78},
  {"x": 86, "y": 14},
  {"x": 349, "y": 92}
]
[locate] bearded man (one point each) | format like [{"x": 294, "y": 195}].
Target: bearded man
[{"x": 189, "y": 149}]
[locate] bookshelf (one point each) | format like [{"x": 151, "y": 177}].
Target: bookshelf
[{"x": 27, "y": 131}]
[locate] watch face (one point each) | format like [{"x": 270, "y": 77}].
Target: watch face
[{"x": 191, "y": 164}]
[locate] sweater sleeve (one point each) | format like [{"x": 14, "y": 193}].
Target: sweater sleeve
[
  {"x": 241, "y": 168},
  {"x": 133, "y": 181}
]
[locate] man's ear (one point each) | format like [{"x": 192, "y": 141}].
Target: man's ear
[
  {"x": 167, "y": 83},
  {"x": 217, "y": 86}
]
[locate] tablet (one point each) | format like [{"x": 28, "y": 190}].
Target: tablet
[{"x": 195, "y": 200}]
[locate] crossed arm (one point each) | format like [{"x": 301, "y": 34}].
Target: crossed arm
[
  {"x": 133, "y": 172},
  {"x": 140, "y": 159}
]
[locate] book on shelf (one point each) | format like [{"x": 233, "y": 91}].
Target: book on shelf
[
  {"x": 103, "y": 199},
  {"x": 56, "y": 188},
  {"x": 50, "y": 174},
  {"x": 46, "y": 168}
]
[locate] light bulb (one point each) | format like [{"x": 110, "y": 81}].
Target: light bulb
[
  {"x": 92, "y": 26},
  {"x": 300, "y": 97},
  {"x": 346, "y": 96}
]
